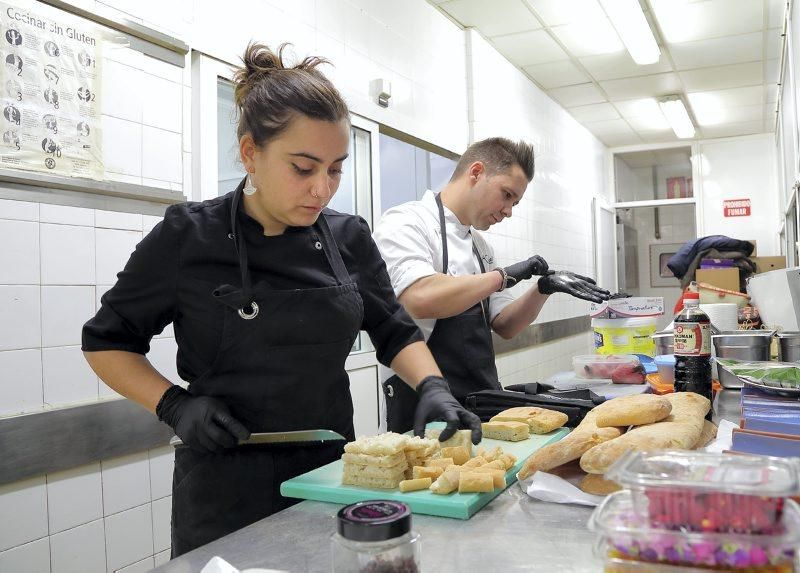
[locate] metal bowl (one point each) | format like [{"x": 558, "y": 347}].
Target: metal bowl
[
  {"x": 745, "y": 345},
  {"x": 665, "y": 342},
  {"x": 789, "y": 343}
]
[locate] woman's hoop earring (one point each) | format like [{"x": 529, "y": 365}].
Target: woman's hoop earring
[{"x": 249, "y": 188}]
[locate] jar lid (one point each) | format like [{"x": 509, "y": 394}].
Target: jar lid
[{"x": 374, "y": 520}]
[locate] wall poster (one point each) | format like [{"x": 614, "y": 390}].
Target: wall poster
[{"x": 51, "y": 87}]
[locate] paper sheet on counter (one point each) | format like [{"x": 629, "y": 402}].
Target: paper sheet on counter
[
  {"x": 219, "y": 565},
  {"x": 548, "y": 487}
]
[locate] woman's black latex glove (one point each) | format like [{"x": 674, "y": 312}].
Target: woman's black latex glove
[
  {"x": 437, "y": 403},
  {"x": 524, "y": 270},
  {"x": 572, "y": 284},
  {"x": 203, "y": 423}
]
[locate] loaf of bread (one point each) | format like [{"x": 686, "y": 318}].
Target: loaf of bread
[
  {"x": 597, "y": 484},
  {"x": 707, "y": 435},
  {"x": 507, "y": 431},
  {"x": 539, "y": 420},
  {"x": 581, "y": 439},
  {"x": 475, "y": 482},
  {"x": 415, "y": 484},
  {"x": 634, "y": 411},
  {"x": 681, "y": 430}
]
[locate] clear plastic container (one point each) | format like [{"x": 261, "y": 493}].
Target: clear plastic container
[
  {"x": 603, "y": 366},
  {"x": 708, "y": 492},
  {"x": 375, "y": 537},
  {"x": 666, "y": 367},
  {"x": 626, "y": 535}
]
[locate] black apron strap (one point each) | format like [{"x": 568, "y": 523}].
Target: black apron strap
[
  {"x": 248, "y": 309},
  {"x": 331, "y": 250},
  {"x": 484, "y": 302}
]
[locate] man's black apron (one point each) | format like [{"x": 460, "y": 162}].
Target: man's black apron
[
  {"x": 462, "y": 347},
  {"x": 279, "y": 367}
]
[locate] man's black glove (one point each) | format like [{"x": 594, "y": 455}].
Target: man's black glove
[
  {"x": 437, "y": 403},
  {"x": 203, "y": 423},
  {"x": 524, "y": 270},
  {"x": 572, "y": 284}
]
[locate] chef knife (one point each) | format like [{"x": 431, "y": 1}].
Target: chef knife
[{"x": 296, "y": 437}]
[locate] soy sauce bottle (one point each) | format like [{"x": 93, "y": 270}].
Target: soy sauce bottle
[{"x": 693, "y": 349}]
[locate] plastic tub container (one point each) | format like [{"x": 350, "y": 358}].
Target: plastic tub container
[
  {"x": 375, "y": 536},
  {"x": 625, "y": 535},
  {"x": 708, "y": 492},
  {"x": 624, "y": 335},
  {"x": 666, "y": 368},
  {"x": 600, "y": 366}
]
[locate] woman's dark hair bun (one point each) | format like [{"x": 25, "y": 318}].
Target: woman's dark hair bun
[{"x": 268, "y": 91}]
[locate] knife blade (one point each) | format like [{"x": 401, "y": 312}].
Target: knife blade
[{"x": 295, "y": 437}]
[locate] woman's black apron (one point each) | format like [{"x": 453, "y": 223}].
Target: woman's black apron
[
  {"x": 462, "y": 347},
  {"x": 279, "y": 367}
]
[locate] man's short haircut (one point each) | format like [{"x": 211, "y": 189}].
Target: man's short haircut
[{"x": 498, "y": 155}]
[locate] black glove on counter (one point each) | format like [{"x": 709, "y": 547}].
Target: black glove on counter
[
  {"x": 524, "y": 270},
  {"x": 203, "y": 423},
  {"x": 572, "y": 284},
  {"x": 437, "y": 403}
]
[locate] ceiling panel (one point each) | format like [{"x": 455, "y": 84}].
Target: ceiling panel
[
  {"x": 728, "y": 98},
  {"x": 644, "y": 86},
  {"x": 557, "y": 12},
  {"x": 528, "y": 48},
  {"x": 589, "y": 37},
  {"x": 731, "y": 129},
  {"x": 502, "y": 17},
  {"x": 621, "y": 65},
  {"x": 594, "y": 112},
  {"x": 722, "y": 77},
  {"x": 718, "y": 51},
  {"x": 722, "y": 56},
  {"x": 682, "y": 21},
  {"x": 583, "y": 94},
  {"x": 556, "y": 74}
]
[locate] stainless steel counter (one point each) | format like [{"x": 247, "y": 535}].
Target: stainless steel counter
[{"x": 512, "y": 533}]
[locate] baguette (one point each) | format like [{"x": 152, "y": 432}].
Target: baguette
[
  {"x": 709, "y": 433},
  {"x": 579, "y": 441},
  {"x": 634, "y": 411},
  {"x": 418, "y": 472},
  {"x": 415, "y": 484},
  {"x": 446, "y": 483},
  {"x": 459, "y": 454},
  {"x": 681, "y": 430}
]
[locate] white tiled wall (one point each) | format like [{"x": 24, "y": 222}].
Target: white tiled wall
[{"x": 107, "y": 516}]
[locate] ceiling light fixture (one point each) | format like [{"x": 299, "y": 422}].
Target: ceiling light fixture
[
  {"x": 678, "y": 117},
  {"x": 631, "y": 25}
]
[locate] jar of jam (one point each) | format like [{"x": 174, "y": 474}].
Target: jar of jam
[{"x": 375, "y": 537}]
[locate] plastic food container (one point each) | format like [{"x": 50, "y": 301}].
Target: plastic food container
[
  {"x": 666, "y": 368},
  {"x": 375, "y": 536},
  {"x": 602, "y": 365},
  {"x": 626, "y": 535},
  {"x": 624, "y": 335},
  {"x": 708, "y": 492}
]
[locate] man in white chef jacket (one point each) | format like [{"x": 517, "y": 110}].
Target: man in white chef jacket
[{"x": 443, "y": 271}]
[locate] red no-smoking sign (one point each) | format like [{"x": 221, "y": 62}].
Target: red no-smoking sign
[{"x": 736, "y": 207}]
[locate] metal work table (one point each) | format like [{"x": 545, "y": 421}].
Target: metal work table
[{"x": 512, "y": 533}]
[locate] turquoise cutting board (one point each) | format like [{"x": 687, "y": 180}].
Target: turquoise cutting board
[{"x": 325, "y": 483}]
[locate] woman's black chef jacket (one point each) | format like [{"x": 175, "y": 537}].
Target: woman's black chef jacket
[
  {"x": 172, "y": 277},
  {"x": 175, "y": 268}
]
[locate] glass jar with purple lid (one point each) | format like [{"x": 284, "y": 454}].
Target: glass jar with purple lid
[{"x": 375, "y": 537}]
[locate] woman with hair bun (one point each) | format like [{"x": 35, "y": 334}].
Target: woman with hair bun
[{"x": 267, "y": 291}]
